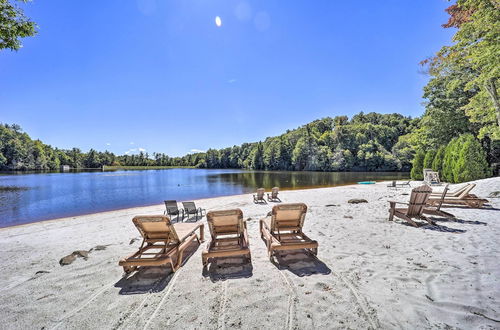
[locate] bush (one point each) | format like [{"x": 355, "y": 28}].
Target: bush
[
  {"x": 437, "y": 163},
  {"x": 471, "y": 162},
  {"x": 429, "y": 158},
  {"x": 449, "y": 159},
  {"x": 417, "y": 170}
]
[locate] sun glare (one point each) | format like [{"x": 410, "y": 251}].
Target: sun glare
[{"x": 218, "y": 21}]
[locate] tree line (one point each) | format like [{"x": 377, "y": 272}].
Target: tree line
[{"x": 363, "y": 143}]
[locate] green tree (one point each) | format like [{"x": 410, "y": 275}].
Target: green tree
[
  {"x": 476, "y": 55},
  {"x": 471, "y": 163},
  {"x": 14, "y": 25},
  {"x": 417, "y": 170},
  {"x": 429, "y": 158},
  {"x": 450, "y": 159},
  {"x": 437, "y": 163}
]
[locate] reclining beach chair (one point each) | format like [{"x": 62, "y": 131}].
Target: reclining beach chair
[
  {"x": 465, "y": 198},
  {"x": 259, "y": 197},
  {"x": 162, "y": 242},
  {"x": 418, "y": 201},
  {"x": 274, "y": 195},
  {"x": 172, "y": 209},
  {"x": 190, "y": 208},
  {"x": 435, "y": 208},
  {"x": 455, "y": 193},
  {"x": 283, "y": 229},
  {"x": 392, "y": 185},
  {"x": 404, "y": 183},
  {"x": 229, "y": 235}
]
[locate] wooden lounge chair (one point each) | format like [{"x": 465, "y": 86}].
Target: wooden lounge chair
[
  {"x": 274, "y": 195},
  {"x": 229, "y": 235},
  {"x": 259, "y": 197},
  {"x": 435, "y": 209},
  {"x": 162, "y": 242},
  {"x": 465, "y": 198},
  {"x": 455, "y": 193},
  {"x": 418, "y": 201},
  {"x": 283, "y": 229},
  {"x": 172, "y": 209},
  {"x": 404, "y": 183},
  {"x": 190, "y": 208}
]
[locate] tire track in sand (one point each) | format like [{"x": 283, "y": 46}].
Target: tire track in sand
[
  {"x": 292, "y": 298},
  {"x": 85, "y": 304},
  {"x": 361, "y": 302},
  {"x": 167, "y": 293},
  {"x": 127, "y": 319}
]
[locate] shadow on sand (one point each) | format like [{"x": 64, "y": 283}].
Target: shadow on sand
[
  {"x": 151, "y": 279},
  {"x": 224, "y": 268},
  {"x": 300, "y": 263},
  {"x": 436, "y": 227}
]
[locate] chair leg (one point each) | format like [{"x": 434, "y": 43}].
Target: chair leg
[{"x": 202, "y": 233}]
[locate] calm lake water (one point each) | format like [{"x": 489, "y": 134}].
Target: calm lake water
[{"x": 28, "y": 198}]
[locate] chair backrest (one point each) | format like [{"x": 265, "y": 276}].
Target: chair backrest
[
  {"x": 286, "y": 217},
  {"x": 443, "y": 196},
  {"x": 171, "y": 206},
  {"x": 189, "y": 206},
  {"x": 393, "y": 184},
  {"x": 457, "y": 192},
  {"x": 156, "y": 227},
  {"x": 466, "y": 191},
  {"x": 226, "y": 222},
  {"x": 260, "y": 193},
  {"x": 418, "y": 200},
  {"x": 274, "y": 192}
]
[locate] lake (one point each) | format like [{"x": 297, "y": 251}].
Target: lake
[{"x": 26, "y": 198}]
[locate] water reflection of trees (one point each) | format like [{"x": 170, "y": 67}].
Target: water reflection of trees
[{"x": 297, "y": 180}]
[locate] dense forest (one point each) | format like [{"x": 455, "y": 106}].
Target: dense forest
[
  {"x": 366, "y": 142},
  {"x": 458, "y": 134}
]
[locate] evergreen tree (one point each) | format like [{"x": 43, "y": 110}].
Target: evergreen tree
[
  {"x": 471, "y": 161},
  {"x": 437, "y": 163},
  {"x": 429, "y": 158},
  {"x": 417, "y": 170}
]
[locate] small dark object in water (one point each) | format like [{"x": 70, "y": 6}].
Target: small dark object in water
[
  {"x": 99, "y": 247},
  {"x": 329, "y": 205},
  {"x": 357, "y": 201}
]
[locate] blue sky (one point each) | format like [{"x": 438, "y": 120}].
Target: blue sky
[{"x": 162, "y": 76}]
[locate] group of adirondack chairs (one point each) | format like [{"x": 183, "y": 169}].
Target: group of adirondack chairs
[
  {"x": 424, "y": 201},
  {"x": 273, "y": 197},
  {"x": 164, "y": 243}
]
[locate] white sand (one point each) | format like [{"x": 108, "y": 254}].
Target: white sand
[{"x": 370, "y": 273}]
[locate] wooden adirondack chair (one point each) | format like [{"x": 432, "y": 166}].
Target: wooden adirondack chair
[
  {"x": 259, "y": 197},
  {"x": 274, "y": 195},
  {"x": 415, "y": 209}
]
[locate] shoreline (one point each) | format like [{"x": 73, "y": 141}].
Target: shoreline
[{"x": 72, "y": 217}]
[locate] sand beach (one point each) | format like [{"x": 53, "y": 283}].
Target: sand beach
[{"x": 369, "y": 272}]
